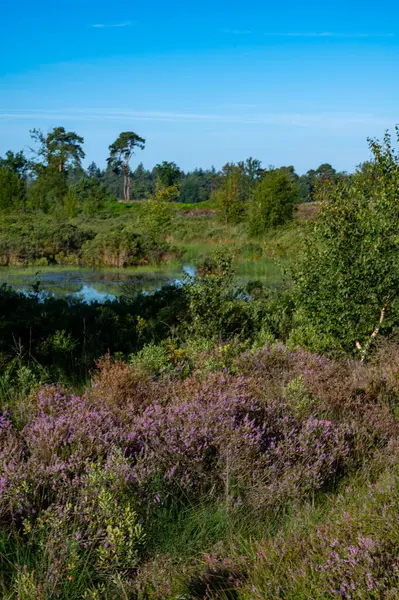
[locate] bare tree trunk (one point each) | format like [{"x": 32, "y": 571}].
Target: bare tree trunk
[
  {"x": 363, "y": 350},
  {"x": 126, "y": 182},
  {"x": 125, "y": 187}
]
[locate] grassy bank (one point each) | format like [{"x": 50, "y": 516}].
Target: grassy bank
[{"x": 192, "y": 237}]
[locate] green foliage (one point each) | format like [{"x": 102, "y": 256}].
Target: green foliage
[
  {"x": 167, "y": 194},
  {"x": 159, "y": 213},
  {"x": 16, "y": 162},
  {"x": 91, "y": 196},
  {"x": 317, "y": 184},
  {"x": 12, "y": 191},
  {"x": 93, "y": 171},
  {"x": 120, "y": 153},
  {"x": 25, "y": 242},
  {"x": 125, "y": 144},
  {"x": 13, "y": 170},
  {"x": 152, "y": 357},
  {"x": 235, "y": 189},
  {"x": 117, "y": 247},
  {"x": 58, "y": 152},
  {"x": 88, "y": 547},
  {"x": 167, "y": 174},
  {"x": 347, "y": 281},
  {"x": 214, "y": 310},
  {"x": 142, "y": 183},
  {"x": 197, "y": 186},
  {"x": 70, "y": 204},
  {"x": 299, "y": 397},
  {"x": 255, "y": 469},
  {"x": 230, "y": 195},
  {"x": 48, "y": 191},
  {"x": 112, "y": 181},
  {"x": 60, "y": 340},
  {"x": 273, "y": 201},
  {"x": 58, "y": 149}
]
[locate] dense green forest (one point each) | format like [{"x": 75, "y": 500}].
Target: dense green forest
[{"x": 225, "y": 437}]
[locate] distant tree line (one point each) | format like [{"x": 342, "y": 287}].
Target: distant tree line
[{"x": 53, "y": 178}]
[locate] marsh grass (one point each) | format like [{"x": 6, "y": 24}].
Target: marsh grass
[{"x": 191, "y": 240}]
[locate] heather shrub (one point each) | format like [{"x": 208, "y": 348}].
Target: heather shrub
[
  {"x": 91, "y": 533},
  {"x": 119, "y": 384},
  {"x": 337, "y": 384},
  {"x": 40, "y": 461},
  {"x": 220, "y": 435},
  {"x": 270, "y": 429},
  {"x": 220, "y": 440},
  {"x": 100, "y": 518},
  {"x": 217, "y": 582},
  {"x": 345, "y": 392},
  {"x": 385, "y": 382},
  {"x": 350, "y": 553}
]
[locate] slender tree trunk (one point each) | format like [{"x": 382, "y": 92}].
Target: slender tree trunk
[
  {"x": 126, "y": 176},
  {"x": 364, "y": 349},
  {"x": 124, "y": 187}
]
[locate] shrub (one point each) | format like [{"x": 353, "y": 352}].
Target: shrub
[
  {"x": 350, "y": 554},
  {"x": 81, "y": 475},
  {"x": 118, "y": 248},
  {"x": 215, "y": 310},
  {"x": 273, "y": 201}
]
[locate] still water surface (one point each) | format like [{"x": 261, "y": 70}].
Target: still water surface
[{"x": 92, "y": 284}]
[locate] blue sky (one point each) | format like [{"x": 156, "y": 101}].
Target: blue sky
[{"x": 285, "y": 82}]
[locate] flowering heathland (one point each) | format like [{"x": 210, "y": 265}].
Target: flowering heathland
[{"x": 83, "y": 478}]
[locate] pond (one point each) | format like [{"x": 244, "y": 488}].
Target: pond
[
  {"x": 100, "y": 285},
  {"x": 92, "y": 284}
]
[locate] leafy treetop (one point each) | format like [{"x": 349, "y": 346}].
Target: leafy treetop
[
  {"x": 59, "y": 148},
  {"x": 121, "y": 151}
]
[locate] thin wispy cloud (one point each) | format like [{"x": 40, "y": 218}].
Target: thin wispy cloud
[
  {"x": 330, "y": 34},
  {"x": 236, "y": 31},
  {"x": 308, "y": 34},
  {"x": 107, "y": 25},
  {"x": 302, "y": 120}
]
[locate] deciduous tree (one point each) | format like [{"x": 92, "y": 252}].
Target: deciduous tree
[
  {"x": 230, "y": 196},
  {"x": 274, "y": 198},
  {"x": 347, "y": 283}
]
